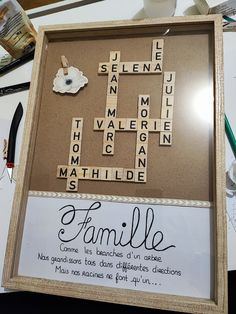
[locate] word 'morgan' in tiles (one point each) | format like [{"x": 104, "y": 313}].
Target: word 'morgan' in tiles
[{"x": 142, "y": 124}]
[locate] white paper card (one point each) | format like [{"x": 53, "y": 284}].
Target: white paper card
[{"x": 152, "y": 248}]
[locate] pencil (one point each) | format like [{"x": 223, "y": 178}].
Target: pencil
[{"x": 230, "y": 135}]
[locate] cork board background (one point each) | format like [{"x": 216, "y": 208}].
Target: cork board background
[{"x": 182, "y": 171}]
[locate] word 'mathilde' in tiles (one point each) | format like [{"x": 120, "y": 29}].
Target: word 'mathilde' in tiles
[{"x": 73, "y": 174}]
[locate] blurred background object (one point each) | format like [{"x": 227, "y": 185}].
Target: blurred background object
[
  {"x": 159, "y": 8},
  {"x": 29, "y": 4}
]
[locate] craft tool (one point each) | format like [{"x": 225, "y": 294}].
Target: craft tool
[
  {"x": 12, "y": 139},
  {"x": 14, "y": 88}
]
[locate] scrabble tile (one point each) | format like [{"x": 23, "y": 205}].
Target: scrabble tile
[
  {"x": 110, "y": 124},
  {"x": 166, "y": 125},
  {"x": 143, "y": 101},
  {"x": 141, "y": 149},
  {"x": 73, "y": 172},
  {"x": 142, "y": 137},
  {"x": 112, "y": 90},
  {"x": 128, "y": 175},
  {"x": 154, "y": 125},
  {"x": 156, "y": 67},
  {"x": 95, "y": 173},
  {"x": 111, "y": 100},
  {"x": 84, "y": 172},
  {"x": 167, "y": 112},
  {"x": 143, "y": 113},
  {"x": 145, "y": 67},
  {"x": 140, "y": 176},
  {"x": 117, "y": 174},
  {"x": 108, "y": 148},
  {"x": 106, "y": 173},
  {"x": 167, "y": 100},
  {"x": 165, "y": 138},
  {"x": 74, "y": 159},
  {"x": 62, "y": 172},
  {"x": 99, "y": 124},
  {"x": 103, "y": 67},
  {"x": 168, "y": 89},
  {"x": 77, "y": 123},
  {"x": 169, "y": 78},
  {"x": 109, "y": 136},
  {"x": 121, "y": 124},
  {"x": 143, "y": 124},
  {"x": 110, "y": 112},
  {"x": 131, "y": 124},
  {"x": 72, "y": 185},
  {"x": 113, "y": 78},
  {"x": 75, "y": 147},
  {"x": 76, "y": 135},
  {"x": 114, "y": 56},
  {"x": 140, "y": 162}
]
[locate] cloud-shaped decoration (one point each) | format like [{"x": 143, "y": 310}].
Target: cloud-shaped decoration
[{"x": 70, "y": 83}]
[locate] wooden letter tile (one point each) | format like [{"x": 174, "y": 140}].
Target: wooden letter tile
[
  {"x": 141, "y": 149},
  {"x": 62, "y": 172},
  {"x": 108, "y": 148},
  {"x": 76, "y": 135},
  {"x": 167, "y": 112},
  {"x": 128, "y": 175},
  {"x": 110, "y": 112},
  {"x": 167, "y": 101},
  {"x": 74, "y": 159},
  {"x": 168, "y": 89},
  {"x": 140, "y": 176},
  {"x": 140, "y": 162},
  {"x": 169, "y": 78},
  {"x": 77, "y": 123},
  {"x": 105, "y": 173},
  {"x": 154, "y": 125},
  {"x": 99, "y": 124},
  {"x": 95, "y": 173},
  {"x": 165, "y": 138},
  {"x": 131, "y": 124},
  {"x": 103, "y": 68},
  {"x": 111, "y": 101},
  {"x": 166, "y": 125},
  {"x": 142, "y": 137},
  {"x": 114, "y": 56},
  {"x": 117, "y": 174},
  {"x": 143, "y": 101},
  {"x": 72, "y": 185}
]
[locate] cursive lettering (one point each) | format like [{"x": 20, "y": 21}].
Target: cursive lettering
[{"x": 136, "y": 235}]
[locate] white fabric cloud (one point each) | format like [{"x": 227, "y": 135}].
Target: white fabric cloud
[{"x": 70, "y": 83}]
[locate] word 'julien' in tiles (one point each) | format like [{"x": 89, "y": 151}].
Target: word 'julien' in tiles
[
  {"x": 167, "y": 108},
  {"x": 135, "y": 67}
]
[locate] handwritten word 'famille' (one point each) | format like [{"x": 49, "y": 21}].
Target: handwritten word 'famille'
[{"x": 140, "y": 232}]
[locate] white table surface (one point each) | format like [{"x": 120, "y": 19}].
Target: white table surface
[{"x": 101, "y": 11}]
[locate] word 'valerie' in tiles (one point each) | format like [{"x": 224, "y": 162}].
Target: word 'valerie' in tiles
[{"x": 142, "y": 124}]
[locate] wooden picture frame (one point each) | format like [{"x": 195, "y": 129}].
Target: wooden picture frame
[{"x": 192, "y": 51}]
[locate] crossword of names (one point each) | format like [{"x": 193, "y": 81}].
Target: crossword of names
[{"x": 110, "y": 123}]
